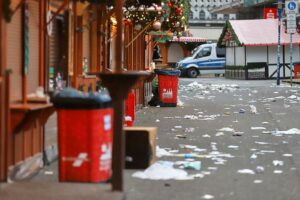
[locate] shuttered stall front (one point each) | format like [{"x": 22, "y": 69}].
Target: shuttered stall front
[
  {"x": 86, "y": 38},
  {"x": 34, "y": 48},
  {"x": 14, "y": 55},
  {"x": 53, "y": 53}
]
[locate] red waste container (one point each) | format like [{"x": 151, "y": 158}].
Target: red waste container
[
  {"x": 84, "y": 141},
  {"x": 297, "y": 70},
  {"x": 168, "y": 87},
  {"x": 130, "y": 109}
]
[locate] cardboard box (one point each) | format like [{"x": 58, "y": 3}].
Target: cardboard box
[{"x": 140, "y": 147}]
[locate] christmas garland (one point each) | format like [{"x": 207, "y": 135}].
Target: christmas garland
[
  {"x": 106, "y": 2},
  {"x": 146, "y": 3},
  {"x": 228, "y": 34},
  {"x": 127, "y": 3},
  {"x": 176, "y": 16}
]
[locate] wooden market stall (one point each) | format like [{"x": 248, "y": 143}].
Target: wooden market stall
[{"x": 251, "y": 49}]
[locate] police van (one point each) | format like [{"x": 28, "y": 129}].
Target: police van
[{"x": 206, "y": 59}]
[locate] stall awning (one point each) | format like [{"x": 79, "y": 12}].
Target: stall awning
[{"x": 188, "y": 39}]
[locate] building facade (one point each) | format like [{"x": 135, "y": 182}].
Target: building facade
[{"x": 205, "y": 23}]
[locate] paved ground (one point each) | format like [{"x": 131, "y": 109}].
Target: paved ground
[
  {"x": 206, "y": 106},
  {"x": 207, "y": 109}
]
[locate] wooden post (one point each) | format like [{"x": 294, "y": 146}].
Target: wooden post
[
  {"x": 119, "y": 42},
  {"x": 100, "y": 30},
  {"x": 3, "y": 166},
  {"x": 42, "y": 44},
  {"x": 46, "y": 50},
  {"x": 118, "y": 162},
  {"x": 79, "y": 38},
  {"x": 75, "y": 50},
  {"x": 93, "y": 37},
  {"x": 25, "y": 41}
]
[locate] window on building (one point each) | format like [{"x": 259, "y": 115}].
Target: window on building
[
  {"x": 191, "y": 14},
  {"x": 214, "y": 16},
  {"x": 226, "y": 16},
  {"x": 202, "y": 15}
]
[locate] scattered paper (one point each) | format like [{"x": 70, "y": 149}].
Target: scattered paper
[
  {"x": 162, "y": 152},
  {"x": 253, "y": 156},
  {"x": 246, "y": 171},
  {"x": 207, "y": 196},
  {"x": 162, "y": 170},
  {"x": 292, "y": 131},
  {"x": 263, "y": 143},
  {"x": 219, "y": 134},
  {"x": 287, "y": 155},
  {"x": 253, "y": 109},
  {"x": 277, "y": 163},
  {"x": 227, "y": 129},
  {"x": 257, "y": 181},
  {"x": 258, "y": 128},
  {"x": 233, "y": 147},
  {"x": 48, "y": 172}
]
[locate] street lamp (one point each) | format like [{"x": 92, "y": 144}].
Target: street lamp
[{"x": 279, "y": 12}]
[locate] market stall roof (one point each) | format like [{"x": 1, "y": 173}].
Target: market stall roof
[
  {"x": 188, "y": 39},
  {"x": 260, "y": 32}
]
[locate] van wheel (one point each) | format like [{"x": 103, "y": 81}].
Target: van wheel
[
  {"x": 192, "y": 73},
  {"x": 217, "y": 75}
]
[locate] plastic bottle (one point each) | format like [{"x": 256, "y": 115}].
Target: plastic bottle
[{"x": 58, "y": 81}]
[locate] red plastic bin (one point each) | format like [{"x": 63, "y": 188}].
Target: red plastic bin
[
  {"x": 168, "y": 88},
  {"x": 130, "y": 109},
  {"x": 296, "y": 70},
  {"x": 85, "y": 144}
]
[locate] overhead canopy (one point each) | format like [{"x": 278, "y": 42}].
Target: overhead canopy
[
  {"x": 188, "y": 39},
  {"x": 260, "y": 32}
]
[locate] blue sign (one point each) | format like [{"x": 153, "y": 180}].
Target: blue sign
[{"x": 292, "y": 5}]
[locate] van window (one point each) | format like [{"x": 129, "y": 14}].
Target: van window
[
  {"x": 221, "y": 52},
  {"x": 206, "y": 51}
]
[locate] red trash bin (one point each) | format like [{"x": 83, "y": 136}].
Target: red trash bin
[
  {"x": 296, "y": 70},
  {"x": 168, "y": 87},
  {"x": 130, "y": 109},
  {"x": 84, "y": 143}
]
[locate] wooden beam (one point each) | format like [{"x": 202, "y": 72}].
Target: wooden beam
[
  {"x": 100, "y": 30},
  {"x": 79, "y": 55},
  {"x": 24, "y": 39},
  {"x": 74, "y": 32},
  {"x": 94, "y": 41},
  {"x": 118, "y": 160},
  {"x": 3, "y": 120},
  {"x": 142, "y": 31},
  {"x": 42, "y": 44}
]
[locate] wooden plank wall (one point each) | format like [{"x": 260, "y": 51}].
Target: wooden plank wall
[
  {"x": 135, "y": 59},
  {"x": 28, "y": 142}
]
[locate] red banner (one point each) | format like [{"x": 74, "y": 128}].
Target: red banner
[{"x": 270, "y": 13}]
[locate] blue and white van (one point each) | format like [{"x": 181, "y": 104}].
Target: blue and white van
[{"x": 206, "y": 59}]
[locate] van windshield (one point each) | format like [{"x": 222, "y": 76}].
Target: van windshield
[{"x": 205, "y": 51}]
